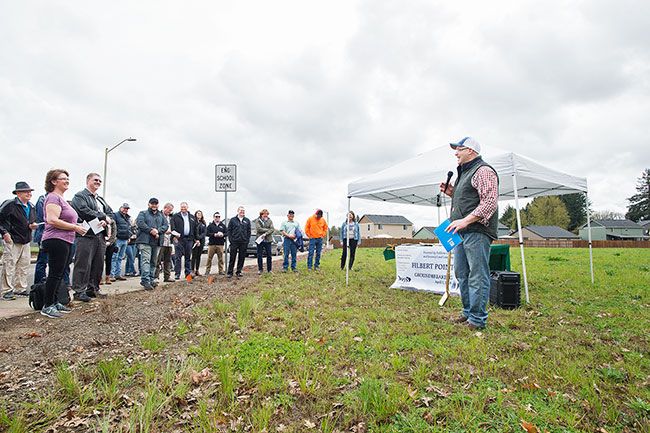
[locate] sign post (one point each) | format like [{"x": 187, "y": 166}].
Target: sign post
[{"x": 225, "y": 179}]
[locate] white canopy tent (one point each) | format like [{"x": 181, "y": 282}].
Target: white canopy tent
[{"x": 417, "y": 180}]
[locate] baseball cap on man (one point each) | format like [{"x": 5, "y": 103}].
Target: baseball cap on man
[
  {"x": 126, "y": 206},
  {"x": 291, "y": 212},
  {"x": 153, "y": 200},
  {"x": 469, "y": 143}
]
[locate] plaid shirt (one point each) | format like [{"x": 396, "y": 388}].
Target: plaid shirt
[{"x": 485, "y": 182}]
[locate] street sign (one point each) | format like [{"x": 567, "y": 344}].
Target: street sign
[{"x": 225, "y": 177}]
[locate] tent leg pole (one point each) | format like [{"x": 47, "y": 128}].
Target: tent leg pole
[
  {"x": 591, "y": 255},
  {"x": 347, "y": 246},
  {"x": 521, "y": 236}
]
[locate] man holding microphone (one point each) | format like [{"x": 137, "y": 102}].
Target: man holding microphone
[{"x": 474, "y": 215}]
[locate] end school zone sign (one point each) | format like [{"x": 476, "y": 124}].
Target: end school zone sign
[{"x": 225, "y": 177}]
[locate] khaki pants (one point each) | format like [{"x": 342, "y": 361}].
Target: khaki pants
[
  {"x": 212, "y": 249},
  {"x": 15, "y": 264}
]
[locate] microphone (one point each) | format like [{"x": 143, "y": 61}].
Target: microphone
[{"x": 449, "y": 175}]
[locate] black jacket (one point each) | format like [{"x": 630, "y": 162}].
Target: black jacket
[
  {"x": 216, "y": 228},
  {"x": 14, "y": 221},
  {"x": 178, "y": 225},
  {"x": 123, "y": 223},
  {"x": 239, "y": 231},
  {"x": 87, "y": 209},
  {"x": 201, "y": 231}
]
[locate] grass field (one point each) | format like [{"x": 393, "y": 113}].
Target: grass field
[{"x": 305, "y": 353}]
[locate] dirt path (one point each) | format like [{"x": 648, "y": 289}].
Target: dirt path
[{"x": 30, "y": 346}]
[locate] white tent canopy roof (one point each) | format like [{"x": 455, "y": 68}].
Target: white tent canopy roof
[{"x": 416, "y": 180}]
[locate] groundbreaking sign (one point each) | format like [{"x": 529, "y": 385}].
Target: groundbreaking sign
[
  {"x": 423, "y": 267},
  {"x": 225, "y": 177}
]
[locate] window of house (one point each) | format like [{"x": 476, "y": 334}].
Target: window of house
[
  {"x": 379, "y": 226},
  {"x": 368, "y": 227},
  {"x": 403, "y": 227}
]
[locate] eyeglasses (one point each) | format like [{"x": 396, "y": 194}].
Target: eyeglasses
[
  {"x": 97, "y": 180},
  {"x": 62, "y": 178}
]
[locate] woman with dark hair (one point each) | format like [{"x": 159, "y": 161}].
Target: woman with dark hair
[
  {"x": 201, "y": 231},
  {"x": 351, "y": 226},
  {"x": 111, "y": 239},
  {"x": 58, "y": 237}
]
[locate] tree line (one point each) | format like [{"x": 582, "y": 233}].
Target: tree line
[{"x": 569, "y": 211}]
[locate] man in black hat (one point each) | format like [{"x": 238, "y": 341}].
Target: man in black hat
[
  {"x": 152, "y": 226},
  {"x": 17, "y": 220},
  {"x": 91, "y": 248}
]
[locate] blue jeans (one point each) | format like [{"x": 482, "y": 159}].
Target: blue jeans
[
  {"x": 148, "y": 257},
  {"x": 289, "y": 247},
  {"x": 40, "y": 272},
  {"x": 472, "y": 269},
  {"x": 118, "y": 256},
  {"x": 314, "y": 244},
  {"x": 264, "y": 247},
  {"x": 130, "y": 259}
]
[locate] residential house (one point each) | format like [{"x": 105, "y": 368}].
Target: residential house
[
  {"x": 425, "y": 232},
  {"x": 610, "y": 229},
  {"x": 503, "y": 230},
  {"x": 545, "y": 233},
  {"x": 393, "y": 226}
]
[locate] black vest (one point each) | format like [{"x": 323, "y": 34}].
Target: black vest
[{"x": 466, "y": 199}]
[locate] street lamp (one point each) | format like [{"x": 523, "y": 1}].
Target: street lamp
[{"x": 106, "y": 152}]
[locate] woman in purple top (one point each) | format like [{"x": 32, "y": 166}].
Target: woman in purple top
[{"x": 60, "y": 228}]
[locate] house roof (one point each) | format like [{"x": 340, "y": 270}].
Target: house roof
[
  {"x": 388, "y": 219},
  {"x": 503, "y": 226},
  {"x": 430, "y": 229},
  {"x": 554, "y": 232},
  {"x": 617, "y": 224}
]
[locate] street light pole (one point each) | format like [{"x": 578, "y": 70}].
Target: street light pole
[{"x": 106, "y": 152}]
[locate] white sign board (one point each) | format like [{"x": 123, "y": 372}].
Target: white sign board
[
  {"x": 424, "y": 267},
  {"x": 225, "y": 177}
]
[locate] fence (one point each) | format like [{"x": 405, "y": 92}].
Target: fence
[{"x": 383, "y": 242}]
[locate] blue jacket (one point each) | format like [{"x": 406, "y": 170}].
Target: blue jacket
[
  {"x": 146, "y": 221},
  {"x": 356, "y": 235},
  {"x": 40, "y": 217}
]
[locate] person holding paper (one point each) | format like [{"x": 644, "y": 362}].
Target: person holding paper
[
  {"x": 474, "y": 215},
  {"x": 264, "y": 229},
  {"x": 217, "y": 233},
  {"x": 91, "y": 247}
]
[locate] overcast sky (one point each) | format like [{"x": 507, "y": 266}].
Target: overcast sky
[{"x": 306, "y": 97}]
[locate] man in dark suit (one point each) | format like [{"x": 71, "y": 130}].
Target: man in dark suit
[{"x": 184, "y": 233}]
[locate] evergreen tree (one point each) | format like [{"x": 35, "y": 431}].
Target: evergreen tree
[
  {"x": 639, "y": 208},
  {"x": 547, "y": 211},
  {"x": 576, "y": 206},
  {"x": 509, "y": 217}
]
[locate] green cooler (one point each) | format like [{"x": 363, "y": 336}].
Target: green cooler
[{"x": 500, "y": 257}]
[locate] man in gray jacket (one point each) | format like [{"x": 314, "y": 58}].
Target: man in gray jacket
[
  {"x": 91, "y": 247},
  {"x": 152, "y": 226}
]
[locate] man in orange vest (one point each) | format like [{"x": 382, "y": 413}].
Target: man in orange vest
[{"x": 316, "y": 230}]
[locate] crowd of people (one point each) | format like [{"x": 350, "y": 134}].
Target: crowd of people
[{"x": 85, "y": 234}]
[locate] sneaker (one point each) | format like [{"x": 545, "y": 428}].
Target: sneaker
[
  {"x": 154, "y": 283},
  {"x": 81, "y": 297},
  {"x": 146, "y": 285},
  {"x": 238, "y": 274},
  {"x": 473, "y": 327},
  {"x": 177, "y": 277},
  {"x": 62, "y": 308},
  {"x": 258, "y": 273},
  {"x": 120, "y": 278},
  {"x": 51, "y": 312},
  {"x": 22, "y": 293},
  {"x": 9, "y": 296},
  {"x": 459, "y": 319},
  {"x": 229, "y": 275},
  {"x": 91, "y": 293}
]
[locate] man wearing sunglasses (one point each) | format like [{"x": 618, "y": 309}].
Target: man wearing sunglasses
[{"x": 91, "y": 247}]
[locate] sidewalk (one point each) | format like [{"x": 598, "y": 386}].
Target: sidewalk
[{"x": 20, "y": 306}]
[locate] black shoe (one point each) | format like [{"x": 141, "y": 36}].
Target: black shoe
[
  {"x": 238, "y": 274},
  {"x": 81, "y": 297},
  {"x": 168, "y": 280},
  {"x": 147, "y": 286},
  {"x": 229, "y": 275},
  {"x": 154, "y": 283},
  {"x": 91, "y": 293}
]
